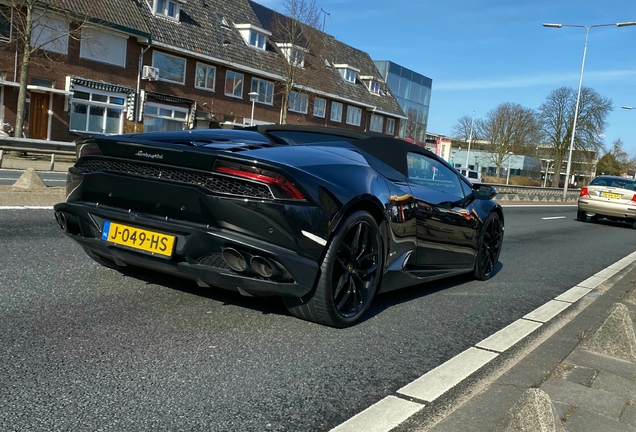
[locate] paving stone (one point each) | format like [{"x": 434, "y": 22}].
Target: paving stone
[
  {"x": 611, "y": 383},
  {"x": 587, "y": 421},
  {"x": 580, "y": 375},
  {"x": 583, "y": 397},
  {"x": 629, "y": 415},
  {"x": 561, "y": 410},
  {"x": 602, "y": 362}
]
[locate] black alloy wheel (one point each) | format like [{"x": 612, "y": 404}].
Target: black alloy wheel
[
  {"x": 350, "y": 275},
  {"x": 490, "y": 244}
]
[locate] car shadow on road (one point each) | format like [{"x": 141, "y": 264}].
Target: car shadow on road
[{"x": 274, "y": 304}]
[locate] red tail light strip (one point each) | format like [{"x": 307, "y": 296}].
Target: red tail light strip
[
  {"x": 285, "y": 185},
  {"x": 585, "y": 192}
]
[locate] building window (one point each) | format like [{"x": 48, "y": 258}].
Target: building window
[
  {"x": 223, "y": 21},
  {"x": 5, "y": 23},
  {"x": 374, "y": 87},
  {"x": 167, "y": 8},
  {"x": 158, "y": 117},
  {"x": 298, "y": 102},
  {"x": 294, "y": 55},
  {"x": 390, "y": 126},
  {"x": 205, "y": 77},
  {"x": 354, "y": 115},
  {"x": 253, "y": 36},
  {"x": 265, "y": 90},
  {"x": 171, "y": 68},
  {"x": 336, "y": 112},
  {"x": 49, "y": 34},
  {"x": 96, "y": 111},
  {"x": 376, "y": 123},
  {"x": 103, "y": 47},
  {"x": 347, "y": 72},
  {"x": 320, "y": 106},
  {"x": 257, "y": 40},
  {"x": 234, "y": 84}
]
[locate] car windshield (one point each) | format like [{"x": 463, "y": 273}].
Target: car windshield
[{"x": 623, "y": 183}]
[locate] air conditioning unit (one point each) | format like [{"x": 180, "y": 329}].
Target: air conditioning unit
[{"x": 150, "y": 73}]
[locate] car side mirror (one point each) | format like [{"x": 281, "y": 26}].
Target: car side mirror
[{"x": 484, "y": 192}]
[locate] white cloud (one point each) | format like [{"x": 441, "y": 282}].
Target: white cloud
[{"x": 539, "y": 79}]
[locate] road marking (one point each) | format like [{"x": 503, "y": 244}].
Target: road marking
[
  {"x": 548, "y": 311},
  {"x": 573, "y": 294},
  {"x": 444, "y": 377},
  {"x": 438, "y": 381},
  {"x": 508, "y": 336},
  {"x": 554, "y": 217},
  {"x": 26, "y": 207},
  {"x": 381, "y": 416}
]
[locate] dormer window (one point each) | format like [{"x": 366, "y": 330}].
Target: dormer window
[
  {"x": 372, "y": 84},
  {"x": 168, "y": 8},
  {"x": 253, "y": 36},
  {"x": 295, "y": 55},
  {"x": 223, "y": 21},
  {"x": 347, "y": 72}
]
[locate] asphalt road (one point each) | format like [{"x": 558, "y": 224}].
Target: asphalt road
[
  {"x": 50, "y": 178},
  {"x": 83, "y": 347}
]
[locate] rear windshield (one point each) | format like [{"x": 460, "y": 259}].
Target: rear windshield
[{"x": 623, "y": 183}]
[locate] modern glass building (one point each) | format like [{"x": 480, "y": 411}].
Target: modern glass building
[{"x": 413, "y": 93}]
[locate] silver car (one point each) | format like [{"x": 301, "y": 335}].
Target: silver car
[{"x": 609, "y": 197}]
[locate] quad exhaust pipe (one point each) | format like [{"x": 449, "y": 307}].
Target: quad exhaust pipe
[
  {"x": 259, "y": 265},
  {"x": 61, "y": 221},
  {"x": 234, "y": 259}
]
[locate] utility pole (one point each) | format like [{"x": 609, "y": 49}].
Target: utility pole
[{"x": 325, "y": 13}]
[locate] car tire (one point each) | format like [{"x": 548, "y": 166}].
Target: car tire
[
  {"x": 349, "y": 275},
  {"x": 106, "y": 262},
  {"x": 489, "y": 247},
  {"x": 581, "y": 216}
]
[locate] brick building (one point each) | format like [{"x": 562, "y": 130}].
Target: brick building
[{"x": 117, "y": 66}]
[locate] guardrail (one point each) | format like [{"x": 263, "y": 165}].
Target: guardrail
[
  {"x": 30, "y": 145},
  {"x": 533, "y": 193}
]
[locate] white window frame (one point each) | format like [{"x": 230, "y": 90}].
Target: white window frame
[
  {"x": 354, "y": 115},
  {"x": 206, "y": 68},
  {"x": 99, "y": 104},
  {"x": 321, "y": 104},
  {"x": 172, "y": 117},
  {"x": 348, "y": 73},
  {"x": 390, "y": 126},
  {"x": 108, "y": 41},
  {"x": 10, "y": 22},
  {"x": 266, "y": 97},
  {"x": 376, "y": 124},
  {"x": 293, "y": 97},
  {"x": 165, "y": 12},
  {"x": 161, "y": 53},
  {"x": 336, "y": 116},
  {"x": 295, "y": 55},
  {"x": 234, "y": 81},
  {"x": 247, "y": 30},
  {"x": 374, "y": 87},
  {"x": 51, "y": 29}
]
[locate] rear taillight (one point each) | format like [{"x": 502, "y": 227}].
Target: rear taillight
[
  {"x": 585, "y": 192},
  {"x": 87, "y": 149},
  {"x": 285, "y": 186},
  {"x": 633, "y": 198}
]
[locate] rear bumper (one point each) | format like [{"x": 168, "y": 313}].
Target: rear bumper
[
  {"x": 604, "y": 208},
  {"x": 197, "y": 253}
]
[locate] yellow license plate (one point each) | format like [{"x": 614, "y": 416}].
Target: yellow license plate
[
  {"x": 137, "y": 238},
  {"x": 610, "y": 195}
]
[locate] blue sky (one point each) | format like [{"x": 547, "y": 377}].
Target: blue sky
[{"x": 481, "y": 53}]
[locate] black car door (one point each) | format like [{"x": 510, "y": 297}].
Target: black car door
[{"x": 446, "y": 221}]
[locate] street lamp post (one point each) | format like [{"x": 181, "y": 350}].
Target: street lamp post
[
  {"x": 253, "y": 96},
  {"x": 578, "y": 94},
  {"x": 627, "y": 107},
  {"x": 508, "y": 173},
  {"x": 470, "y": 138}
]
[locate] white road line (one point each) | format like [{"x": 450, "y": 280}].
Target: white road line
[
  {"x": 508, "y": 336},
  {"x": 573, "y": 294},
  {"x": 26, "y": 207},
  {"x": 438, "y": 381},
  {"x": 554, "y": 217},
  {"x": 444, "y": 377},
  {"x": 381, "y": 416},
  {"x": 547, "y": 311}
]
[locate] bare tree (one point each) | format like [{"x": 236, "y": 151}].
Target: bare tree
[
  {"x": 504, "y": 127},
  {"x": 462, "y": 128},
  {"x": 556, "y": 115},
  {"x": 297, "y": 36},
  {"x": 39, "y": 30}
]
